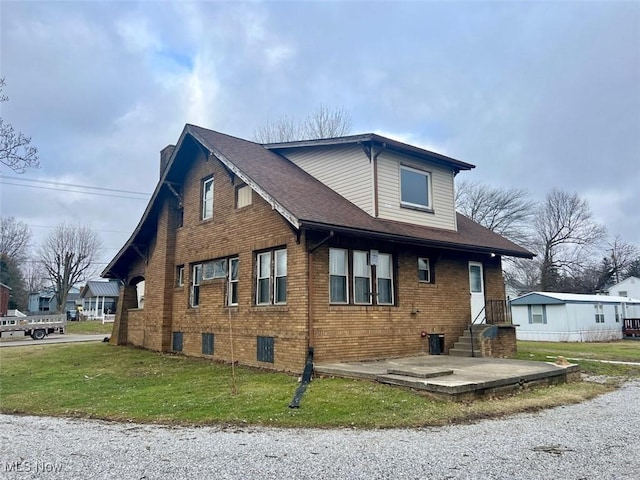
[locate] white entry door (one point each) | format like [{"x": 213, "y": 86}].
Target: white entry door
[{"x": 476, "y": 288}]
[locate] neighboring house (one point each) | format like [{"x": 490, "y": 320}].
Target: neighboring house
[
  {"x": 349, "y": 245},
  {"x": 99, "y": 298},
  {"x": 629, "y": 287},
  {"x": 572, "y": 317},
  {"x": 45, "y": 301},
  {"x": 5, "y": 293}
]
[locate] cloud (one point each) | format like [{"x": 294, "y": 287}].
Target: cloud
[{"x": 531, "y": 96}]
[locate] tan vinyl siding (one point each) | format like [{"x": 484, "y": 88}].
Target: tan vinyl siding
[
  {"x": 442, "y": 193},
  {"x": 345, "y": 169}
]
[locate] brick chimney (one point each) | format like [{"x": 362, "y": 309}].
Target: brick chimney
[{"x": 165, "y": 155}]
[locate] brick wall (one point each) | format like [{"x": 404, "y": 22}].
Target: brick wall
[
  {"x": 351, "y": 332},
  {"x": 339, "y": 332}
]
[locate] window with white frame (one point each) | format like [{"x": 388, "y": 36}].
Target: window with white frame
[
  {"x": 368, "y": 268},
  {"x": 232, "y": 291},
  {"x": 537, "y": 314},
  {"x": 361, "y": 278},
  {"x": 180, "y": 276},
  {"x": 243, "y": 196},
  {"x": 616, "y": 311},
  {"x": 338, "y": 274},
  {"x": 271, "y": 277},
  {"x": 415, "y": 188},
  {"x": 599, "y": 313},
  {"x": 384, "y": 272},
  {"x": 280, "y": 275},
  {"x": 207, "y": 198},
  {"x": 196, "y": 278},
  {"x": 424, "y": 270}
]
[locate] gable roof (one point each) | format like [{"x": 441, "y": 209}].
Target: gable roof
[
  {"x": 98, "y": 288},
  {"x": 626, "y": 281},
  {"x": 305, "y": 202},
  {"x": 551, "y": 298},
  {"x": 374, "y": 139}
]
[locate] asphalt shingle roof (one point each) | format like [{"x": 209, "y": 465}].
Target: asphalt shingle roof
[{"x": 311, "y": 204}]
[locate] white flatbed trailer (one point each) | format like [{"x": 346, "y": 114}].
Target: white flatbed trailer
[{"x": 35, "y": 326}]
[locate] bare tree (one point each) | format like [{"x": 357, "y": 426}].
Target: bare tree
[
  {"x": 34, "y": 276},
  {"x": 621, "y": 255},
  {"x": 16, "y": 151},
  {"x": 567, "y": 234},
  {"x": 505, "y": 211},
  {"x": 324, "y": 122},
  {"x": 14, "y": 238},
  {"x": 67, "y": 255}
]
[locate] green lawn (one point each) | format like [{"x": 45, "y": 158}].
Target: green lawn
[
  {"x": 89, "y": 327},
  {"x": 623, "y": 350},
  {"x": 99, "y": 380}
]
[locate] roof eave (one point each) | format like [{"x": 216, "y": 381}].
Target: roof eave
[
  {"x": 372, "y": 137},
  {"x": 415, "y": 240},
  {"x": 188, "y": 130}
]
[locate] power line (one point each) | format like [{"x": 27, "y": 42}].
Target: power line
[
  {"x": 92, "y": 229},
  {"x": 74, "y": 191},
  {"x": 73, "y": 185}
]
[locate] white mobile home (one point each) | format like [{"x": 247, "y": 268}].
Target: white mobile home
[{"x": 570, "y": 317}]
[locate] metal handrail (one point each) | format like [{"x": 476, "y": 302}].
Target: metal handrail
[{"x": 471, "y": 328}]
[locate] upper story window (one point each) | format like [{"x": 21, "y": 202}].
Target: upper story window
[
  {"x": 271, "y": 277},
  {"x": 415, "y": 188},
  {"x": 207, "y": 198},
  {"x": 243, "y": 196}
]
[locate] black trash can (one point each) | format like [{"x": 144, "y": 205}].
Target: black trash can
[{"x": 436, "y": 343}]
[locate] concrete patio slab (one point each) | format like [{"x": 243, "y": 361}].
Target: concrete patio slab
[{"x": 454, "y": 378}]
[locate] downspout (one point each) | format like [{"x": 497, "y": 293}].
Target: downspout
[
  {"x": 374, "y": 163},
  {"x": 310, "y": 287},
  {"x": 308, "y": 367}
]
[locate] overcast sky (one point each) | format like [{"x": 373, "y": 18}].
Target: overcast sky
[{"x": 536, "y": 95}]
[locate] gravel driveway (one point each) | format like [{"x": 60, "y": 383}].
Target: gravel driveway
[{"x": 598, "y": 439}]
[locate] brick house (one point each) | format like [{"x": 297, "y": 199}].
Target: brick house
[{"x": 351, "y": 245}]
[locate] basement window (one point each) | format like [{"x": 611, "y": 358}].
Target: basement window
[{"x": 207, "y": 343}]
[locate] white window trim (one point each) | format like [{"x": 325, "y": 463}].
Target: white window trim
[
  {"x": 180, "y": 282},
  {"x": 205, "y": 214},
  {"x": 346, "y": 276},
  {"x": 260, "y": 277},
  {"x": 276, "y": 276},
  {"x": 354, "y": 276},
  {"x": 390, "y": 278},
  {"x": 428, "y": 269},
  {"x": 270, "y": 277},
  {"x": 195, "y": 282},
  {"x": 232, "y": 281},
  {"x": 427, "y": 176}
]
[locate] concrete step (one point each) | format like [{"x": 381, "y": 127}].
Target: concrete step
[
  {"x": 460, "y": 352},
  {"x": 420, "y": 372}
]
